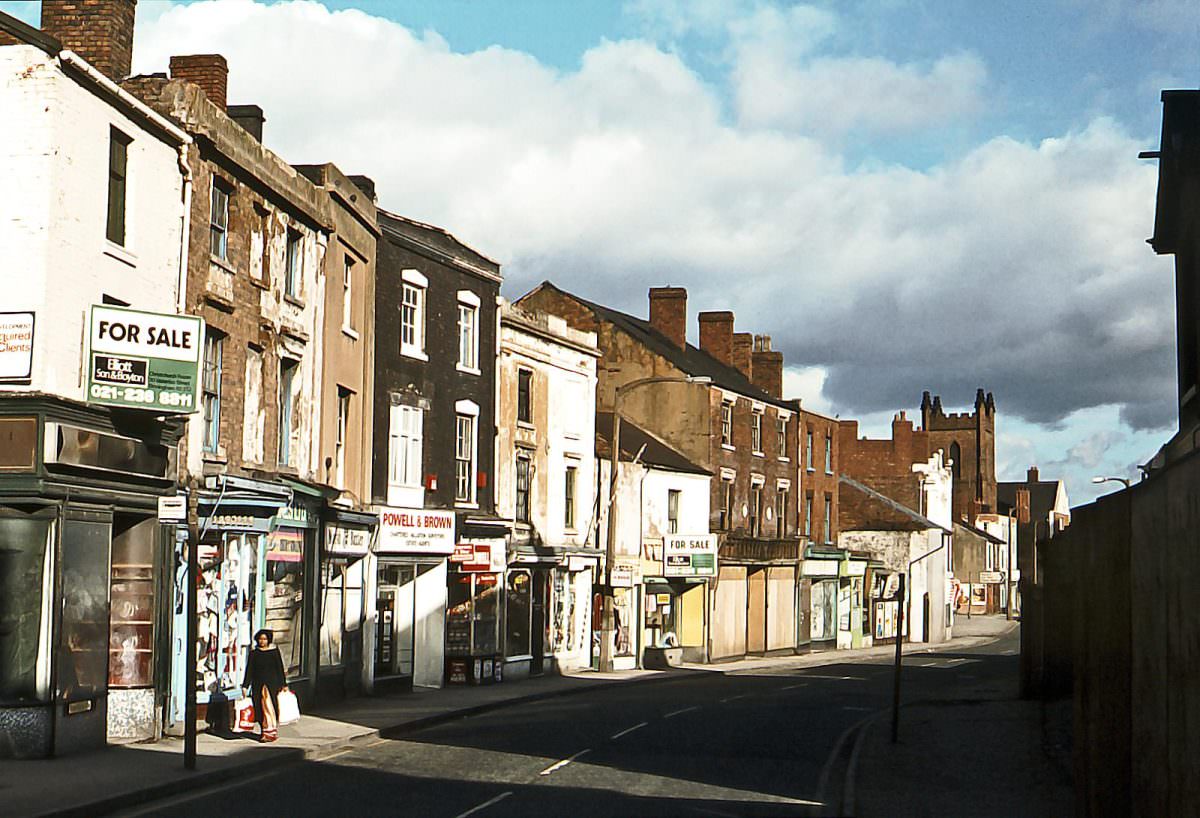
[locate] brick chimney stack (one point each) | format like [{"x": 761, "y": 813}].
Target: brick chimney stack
[
  {"x": 743, "y": 346},
  {"x": 767, "y": 367},
  {"x": 100, "y": 31},
  {"x": 716, "y": 335},
  {"x": 1032, "y": 475},
  {"x": 209, "y": 71},
  {"x": 668, "y": 313}
]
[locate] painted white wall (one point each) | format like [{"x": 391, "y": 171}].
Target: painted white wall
[
  {"x": 54, "y": 148},
  {"x": 694, "y": 502}
]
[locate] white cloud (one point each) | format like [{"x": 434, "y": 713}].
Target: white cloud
[
  {"x": 1018, "y": 267},
  {"x": 781, "y": 80}
]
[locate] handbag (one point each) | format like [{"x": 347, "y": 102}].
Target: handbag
[
  {"x": 243, "y": 716},
  {"x": 289, "y": 707}
]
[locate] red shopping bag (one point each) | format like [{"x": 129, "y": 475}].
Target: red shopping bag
[{"x": 243, "y": 716}]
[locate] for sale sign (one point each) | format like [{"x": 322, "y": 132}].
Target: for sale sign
[
  {"x": 144, "y": 360},
  {"x": 690, "y": 556}
]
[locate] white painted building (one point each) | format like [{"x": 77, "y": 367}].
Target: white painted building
[
  {"x": 659, "y": 494},
  {"x": 545, "y": 484},
  {"x": 93, "y": 206}
]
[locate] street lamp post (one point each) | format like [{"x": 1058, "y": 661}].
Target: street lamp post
[
  {"x": 1122, "y": 480},
  {"x": 610, "y": 551}
]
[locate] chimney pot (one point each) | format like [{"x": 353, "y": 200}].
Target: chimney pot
[
  {"x": 209, "y": 71},
  {"x": 668, "y": 313},
  {"x": 100, "y": 31}
]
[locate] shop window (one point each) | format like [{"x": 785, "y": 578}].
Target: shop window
[
  {"x": 673, "y": 511},
  {"x": 131, "y": 634},
  {"x": 569, "y": 497},
  {"x": 341, "y": 607},
  {"x": 521, "y": 509},
  {"x": 518, "y": 610},
  {"x": 25, "y": 608},
  {"x": 471, "y": 614},
  {"x": 83, "y": 652},
  {"x": 283, "y": 590}
]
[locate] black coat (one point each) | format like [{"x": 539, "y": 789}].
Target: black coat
[{"x": 265, "y": 668}]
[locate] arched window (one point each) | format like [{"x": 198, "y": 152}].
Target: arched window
[{"x": 955, "y": 457}]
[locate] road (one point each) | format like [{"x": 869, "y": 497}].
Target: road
[{"x": 751, "y": 744}]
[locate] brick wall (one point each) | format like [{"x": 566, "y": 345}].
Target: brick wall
[
  {"x": 817, "y": 482},
  {"x": 209, "y": 71},
  {"x": 970, "y": 435},
  {"x": 100, "y": 31},
  {"x": 884, "y": 465}
]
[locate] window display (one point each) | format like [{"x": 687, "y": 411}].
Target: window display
[
  {"x": 472, "y": 610},
  {"x": 25, "y": 574},
  {"x": 83, "y": 654},
  {"x": 283, "y": 597},
  {"x": 517, "y": 602},
  {"x": 131, "y": 631}
]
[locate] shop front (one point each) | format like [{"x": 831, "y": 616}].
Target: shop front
[
  {"x": 676, "y": 595},
  {"x": 407, "y": 598},
  {"x": 627, "y": 623},
  {"x": 547, "y": 611},
  {"x": 82, "y": 564},
  {"x": 258, "y": 568},
  {"x": 823, "y": 573},
  {"x": 474, "y": 602},
  {"x": 345, "y": 571},
  {"x": 853, "y": 616}
]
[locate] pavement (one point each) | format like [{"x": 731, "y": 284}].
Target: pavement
[{"x": 121, "y": 778}]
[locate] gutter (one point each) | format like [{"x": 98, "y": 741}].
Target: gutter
[{"x": 68, "y": 57}]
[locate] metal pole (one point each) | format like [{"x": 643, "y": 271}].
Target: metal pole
[
  {"x": 1008, "y": 577},
  {"x": 899, "y": 655},
  {"x": 610, "y": 551},
  {"x": 193, "y": 574}
]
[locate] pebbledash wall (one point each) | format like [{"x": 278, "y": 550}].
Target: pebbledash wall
[{"x": 78, "y": 508}]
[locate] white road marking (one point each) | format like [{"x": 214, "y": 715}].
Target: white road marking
[
  {"x": 793, "y": 687},
  {"x": 681, "y": 712},
  {"x": 558, "y": 765},
  {"x": 838, "y": 678},
  {"x": 629, "y": 730},
  {"x": 484, "y": 805},
  {"x": 734, "y": 698}
]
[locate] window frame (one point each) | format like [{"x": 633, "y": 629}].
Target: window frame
[
  {"x": 725, "y": 520},
  {"x": 348, "y": 265},
  {"x": 828, "y": 518},
  {"x": 522, "y": 496},
  {"x": 727, "y": 423},
  {"x": 468, "y": 304},
  {"x": 412, "y": 282},
  {"x": 403, "y": 443},
  {"x": 287, "y": 410},
  {"x": 341, "y": 433},
  {"x": 756, "y": 425},
  {"x": 828, "y": 453},
  {"x": 570, "y": 480},
  {"x": 117, "y": 213},
  {"x": 808, "y": 510},
  {"x": 673, "y": 498},
  {"x": 808, "y": 450},
  {"x": 781, "y": 426},
  {"x": 470, "y": 458},
  {"x": 525, "y": 396},
  {"x": 756, "y": 509},
  {"x": 211, "y": 435},
  {"x": 293, "y": 262},
  {"x": 781, "y": 498},
  {"x": 220, "y": 191}
]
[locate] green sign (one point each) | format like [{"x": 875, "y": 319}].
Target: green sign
[
  {"x": 690, "y": 556},
  {"x": 144, "y": 360}
]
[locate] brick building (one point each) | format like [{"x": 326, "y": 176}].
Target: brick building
[
  {"x": 721, "y": 406},
  {"x": 969, "y": 442},
  {"x": 434, "y": 451}
]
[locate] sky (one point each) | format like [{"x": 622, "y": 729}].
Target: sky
[{"x": 906, "y": 195}]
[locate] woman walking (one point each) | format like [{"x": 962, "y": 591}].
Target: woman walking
[{"x": 264, "y": 679}]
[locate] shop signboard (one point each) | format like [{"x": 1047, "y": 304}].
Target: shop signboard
[
  {"x": 991, "y": 577},
  {"x": 480, "y": 556},
  {"x": 16, "y": 346},
  {"x": 346, "y": 541},
  {"x": 626, "y": 574},
  {"x": 820, "y": 568},
  {"x": 415, "y": 531},
  {"x": 172, "y": 509},
  {"x": 144, "y": 360},
  {"x": 690, "y": 555}
]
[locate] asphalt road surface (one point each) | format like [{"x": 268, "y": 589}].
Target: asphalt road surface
[{"x": 751, "y": 744}]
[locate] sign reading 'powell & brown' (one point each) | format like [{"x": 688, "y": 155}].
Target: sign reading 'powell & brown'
[{"x": 415, "y": 531}]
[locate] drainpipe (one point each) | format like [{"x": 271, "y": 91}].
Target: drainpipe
[{"x": 181, "y": 284}]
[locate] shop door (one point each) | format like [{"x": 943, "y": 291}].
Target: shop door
[
  {"x": 537, "y": 633},
  {"x": 781, "y": 607},
  {"x": 728, "y": 628},
  {"x": 394, "y": 606},
  {"x": 756, "y": 611},
  {"x": 804, "y": 614}
]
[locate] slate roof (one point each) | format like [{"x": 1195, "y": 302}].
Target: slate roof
[
  {"x": 691, "y": 360},
  {"x": 979, "y": 532},
  {"x": 437, "y": 240},
  {"x": 657, "y": 452},
  {"x": 887, "y": 514},
  {"x": 1042, "y": 497}
]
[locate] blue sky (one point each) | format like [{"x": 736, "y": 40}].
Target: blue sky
[{"x": 906, "y": 195}]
